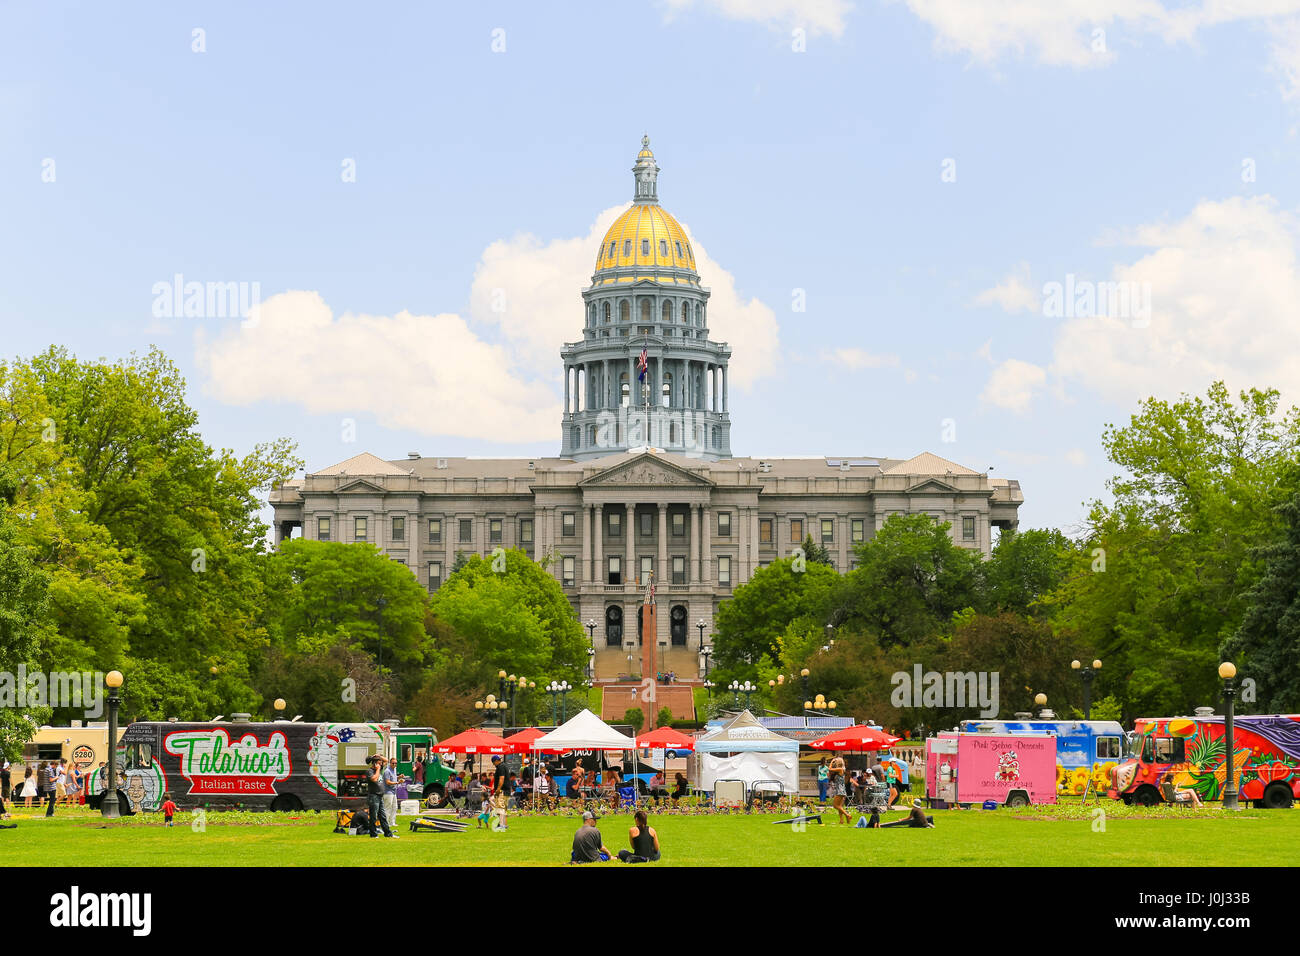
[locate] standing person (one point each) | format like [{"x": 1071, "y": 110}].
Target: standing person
[
  {"x": 499, "y": 773},
  {"x": 614, "y": 780},
  {"x": 838, "y": 790},
  {"x": 542, "y": 787},
  {"x": 6, "y": 781},
  {"x": 891, "y": 778},
  {"x": 168, "y": 809},
  {"x": 31, "y": 786},
  {"x": 50, "y": 780},
  {"x": 823, "y": 779},
  {"x": 61, "y": 782},
  {"x": 375, "y": 797},
  {"x": 74, "y": 784},
  {"x": 645, "y": 842},
  {"x": 390, "y": 791}
]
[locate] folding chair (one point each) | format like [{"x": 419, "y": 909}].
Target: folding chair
[
  {"x": 626, "y": 797},
  {"x": 766, "y": 791},
  {"x": 729, "y": 793}
]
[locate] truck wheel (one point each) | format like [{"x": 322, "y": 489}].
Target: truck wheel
[
  {"x": 286, "y": 803},
  {"x": 437, "y": 798},
  {"x": 1146, "y": 796},
  {"x": 1018, "y": 799},
  {"x": 1277, "y": 797}
]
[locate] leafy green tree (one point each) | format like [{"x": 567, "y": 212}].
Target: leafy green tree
[
  {"x": 815, "y": 553},
  {"x": 665, "y": 717},
  {"x": 909, "y": 581},
  {"x": 23, "y": 603},
  {"x": 1024, "y": 567},
  {"x": 1266, "y": 646},
  {"x": 750, "y": 626},
  {"x": 634, "y": 716}
]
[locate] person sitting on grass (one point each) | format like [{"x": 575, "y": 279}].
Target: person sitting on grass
[
  {"x": 916, "y": 818},
  {"x": 645, "y": 842},
  {"x": 588, "y": 847}
]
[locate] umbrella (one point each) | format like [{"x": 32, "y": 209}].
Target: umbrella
[
  {"x": 856, "y": 738},
  {"x": 667, "y": 738},
  {"x": 522, "y": 741},
  {"x": 473, "y": 742}
]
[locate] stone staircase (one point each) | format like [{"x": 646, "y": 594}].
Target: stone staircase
[
  {"x": 619, "y": 698},
  {"x": 611, "y": 663}
]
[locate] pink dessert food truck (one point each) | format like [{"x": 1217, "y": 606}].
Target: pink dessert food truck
[{"x": 1014, "y": 770}]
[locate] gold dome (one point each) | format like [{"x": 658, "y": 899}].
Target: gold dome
[{"x": 645, "y": 236}]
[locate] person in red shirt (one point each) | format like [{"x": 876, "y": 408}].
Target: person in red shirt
[{"x": 168, "y": 809}]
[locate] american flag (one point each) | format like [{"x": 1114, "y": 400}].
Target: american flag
[{"x": 643, "y": 364}]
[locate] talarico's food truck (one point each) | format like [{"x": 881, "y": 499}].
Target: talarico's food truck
[
  {"x": 1189, "y": 753},
  {"x": 279, "y": 765}
]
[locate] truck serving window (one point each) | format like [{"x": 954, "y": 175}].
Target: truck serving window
[
  {"x": 1169, "y": 750},
  {"x": 139, "y": 756},
  {"x": 1109, "y": 748}
]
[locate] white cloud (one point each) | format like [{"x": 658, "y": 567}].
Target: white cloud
[
  {"x": 816, "y": 16},
  {"x": 427, "y": 373},
  {"x": 1013, "y": 384},
  {"x": 1286, "y": 57},
  {"x": 1224, "y": 286},
  {"x": 1013, "y": 294},
  {"x": 1062, "y": 32},
  {"x": 496, "y": 377},
  {"x": 1076, "y": 457},
  {"x": 857, "y": 359}
]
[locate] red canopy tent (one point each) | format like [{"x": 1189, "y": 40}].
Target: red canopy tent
[
  {"x": 860, "y": 737},
  {"x": 522, "y": 742},
  {"x": 473, "y": 742},
  {"x": 667, "y": 738}
]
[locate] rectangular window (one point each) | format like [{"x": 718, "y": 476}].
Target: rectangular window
[
  {"x": 467, "y": 530},
  {"x": 796, "y": 530},
  {"x": 615, "y": 570},
  {"x": 859, "y": 531},
  {"x": 724, "y": 524},
  {"x": 968, "y": 529},
  {"x": 435, "y": 531},
  {"x": 647, "y": 527},
  {"x": 828, "y": 530},
  {"x": 569, "y": 572},
  {"x": 764, "y": 530},
  {"x": 1109, "y": 748},
  {"x": 525, "y": 531},
  {"x": 494, "y": 531},
  {"x": 615, "y": 521},
  {"x": 1170, "y": 750},
  {"x": 399, "y": 529},
  {"x": 647, "y": 567},
  {"x": 678, "y": 520},
  {"x": 322, "y": 529},
  {"x": 435, "y": 575},
  {"x": 724, "y": 571},
  {"x": 358, "y": 529},
  {"x": 569, "y": 524},
  {"x": 679, "y": 569}
]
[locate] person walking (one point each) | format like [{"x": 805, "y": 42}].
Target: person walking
[
  {"x": 50, "y": 780},
  {"x": 823, "y": 779},
  {"x": 837, "y": 782}
]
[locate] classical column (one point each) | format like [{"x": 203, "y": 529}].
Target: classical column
[
  {"x": 754, "y": 543},
  {"x": 600, "y": 574},
  {"x": 661, "y": 568},
  {"x": 584, "y": 572},
  {"x": 550, "y": 531},
  {"x": 695, "y": 544},
  {"x": 724, "y": 388},
  {"x": 706, "y": 554},
  {"x": 629, "y": 575},
  {"x": 567, "y": 409}
]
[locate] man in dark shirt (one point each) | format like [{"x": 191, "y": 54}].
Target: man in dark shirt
[
  {"x": 375, "y": 797},
  {"x": 499, "y": 773},
  {"x": 588, "y": 847}
]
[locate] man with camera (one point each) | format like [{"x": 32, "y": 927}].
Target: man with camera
[{"x": 375, "y": 787}]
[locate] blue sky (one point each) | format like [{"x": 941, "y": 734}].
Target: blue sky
[{"x": 493, "y": 142}]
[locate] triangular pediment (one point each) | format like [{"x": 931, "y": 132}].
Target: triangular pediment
[
  {"x": 646, "y": 470},
  {"x": 932, "y": 486},
  {"x": 361, "y": 486}
]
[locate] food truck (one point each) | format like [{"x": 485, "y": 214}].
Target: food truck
[
  {"x": 408, "y": 744},
  {"x": 277, "y": 765},
  {"x": 1189, "y": 753},
  {"x": 1014, "y": 770},
  {"x": 1086, "y": 750}
]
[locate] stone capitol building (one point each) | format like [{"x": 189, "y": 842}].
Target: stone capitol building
[{"x": 645, "y": 481}]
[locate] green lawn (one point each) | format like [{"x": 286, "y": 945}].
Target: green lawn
[{"x": 1035, "y": 836}]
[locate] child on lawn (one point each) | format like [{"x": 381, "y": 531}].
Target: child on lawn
[{"x": 168, "y": 809}]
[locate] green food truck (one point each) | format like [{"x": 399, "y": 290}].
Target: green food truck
[{"x": 407, "y": 744}]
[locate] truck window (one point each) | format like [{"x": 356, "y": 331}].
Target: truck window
[
  {"x": 1109, "y": 748},
  {"x": 139, "y": 756},
  {"x": 1169, "y": 750},
  {"x": 1148, "y": 750},
  {"x": 406, "y": 754}
]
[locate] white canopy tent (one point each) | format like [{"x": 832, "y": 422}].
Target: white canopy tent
[
  {"x": 744, "y": 749},
  {"x": 584, "y": 731}
]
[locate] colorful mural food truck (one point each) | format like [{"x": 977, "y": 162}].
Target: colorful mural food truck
[
  {"x": 1189, "y": 753},
  {"x": 280, "y": 765},
  {"x": 1086, "y": 750},
  {"x": 1014, "y": 770}
]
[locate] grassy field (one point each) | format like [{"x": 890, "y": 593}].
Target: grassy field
[{"x": 1041, "y": 836}]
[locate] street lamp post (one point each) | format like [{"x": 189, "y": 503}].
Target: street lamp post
[
  {"x": 705, "y": 652},
  {"x": 559, "y": 689},
  {"x": 279, "y": 708},
  {"x": 591, "y": 632},
  {"x": 1228, "y": 670},
  {"x": 709, "y": 685},
  {"x": 591, "y": 663},
  {"x": 1088, "y": 675},
  {"x": 803, "y": 676},
  {"x": 108, "y": 805}
]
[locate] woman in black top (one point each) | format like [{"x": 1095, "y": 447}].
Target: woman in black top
[
  {"x": 645, "y": 842},
  {"x": 679, "y": 788}
]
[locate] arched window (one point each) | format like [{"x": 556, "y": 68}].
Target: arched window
[
  {"x": 667, "y": 312},
  {"x": 663, "y": 248},
  {"x": 627, "y": 247},
  {"x": 611, "y": 251},
  {"x": 625, "y": 311},
  {"x": 607, "y": 313},
  {"x": 686, "y": 313},
  {"x": 678, "y": 243},
  {"x": 645, "y": 310},
  {"x": 613, "y": 626},
  {"x": 626, "y": 390},
  {"x": 645, "y": 247},
  {"x": 668, "y": 389}
]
